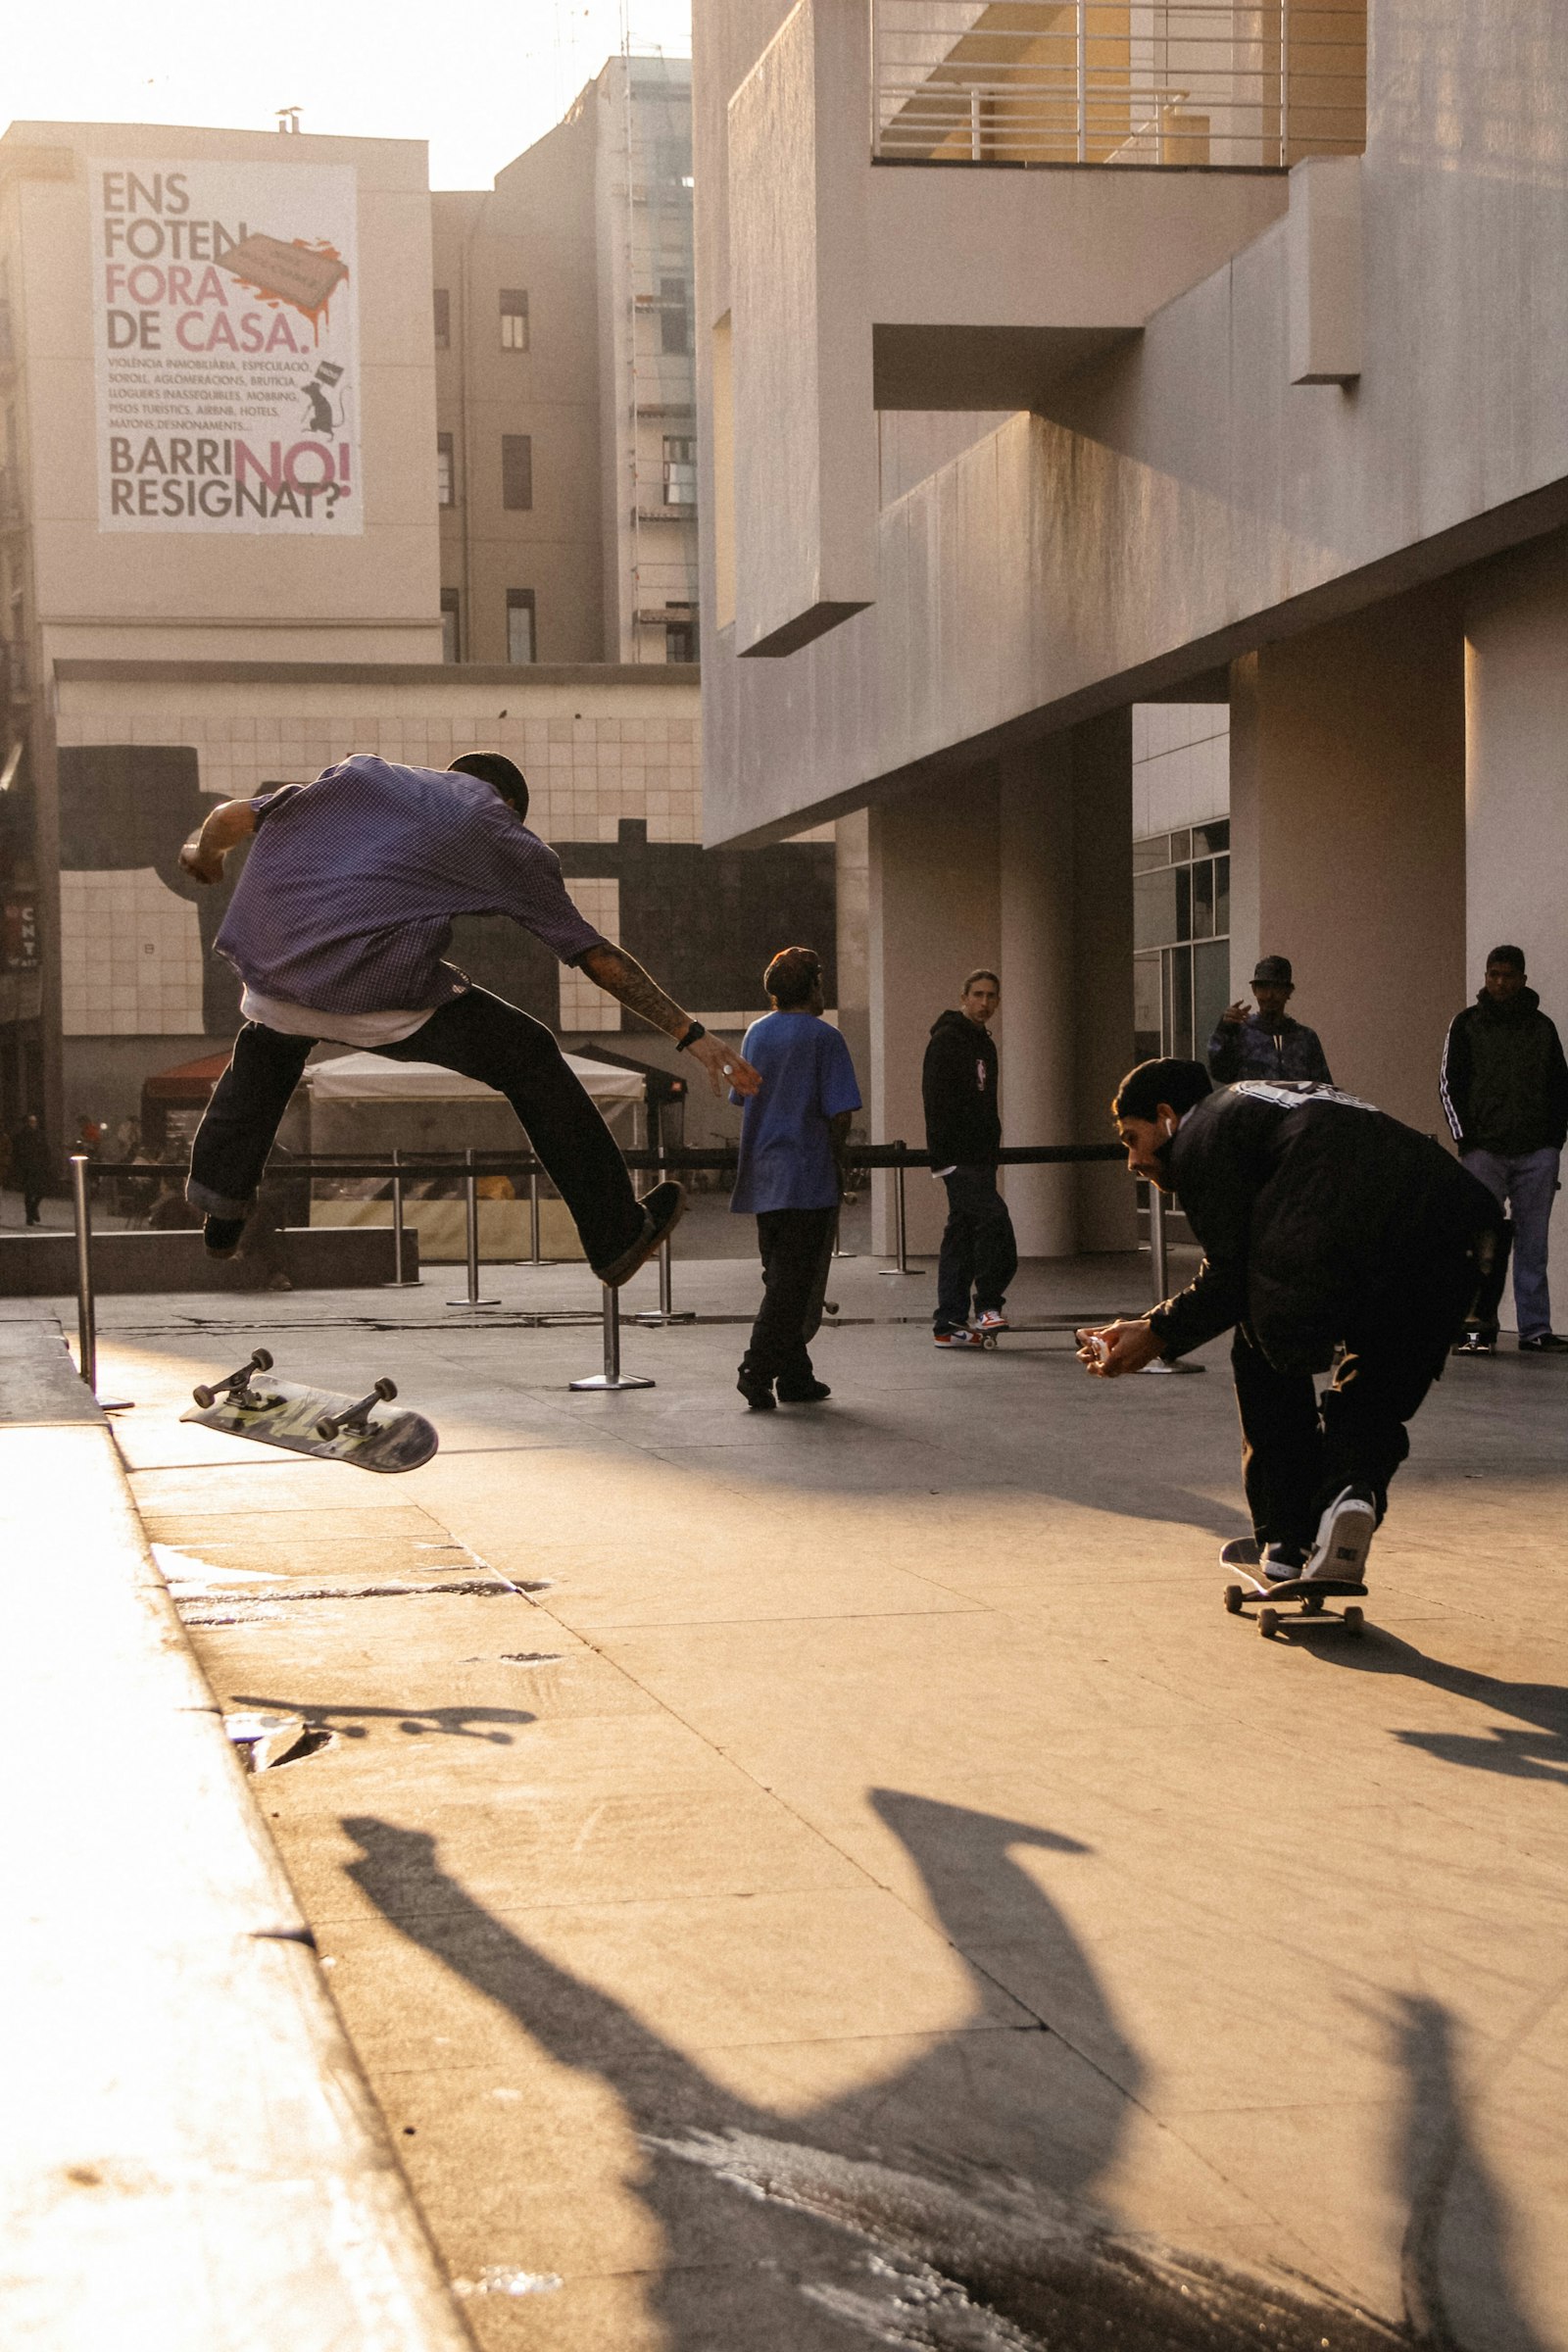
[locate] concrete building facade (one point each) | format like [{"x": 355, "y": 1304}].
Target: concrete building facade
[{"x": 1282, "y": 434}]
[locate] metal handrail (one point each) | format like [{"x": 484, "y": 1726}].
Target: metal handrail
[{"x": 1132, "y": 82}]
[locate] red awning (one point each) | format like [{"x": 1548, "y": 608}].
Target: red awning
[{"x": 188, "y": 1081}]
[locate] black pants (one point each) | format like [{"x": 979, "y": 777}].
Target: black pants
[
  {"x": 476, "y": 1033},
  {"x": 979, "y": 1253},
  {"x": 31, "y": 1208},
  {"x": 797, "y": 1249},
  {"x": 1299, "y": 1451}
]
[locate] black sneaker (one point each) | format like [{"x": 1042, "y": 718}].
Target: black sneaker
[
  {"x": 1282, "y": 1563},
  {"x": 662, "y": 1210},
  {"x": 221, "y": 1235},
  {"x": 812, "y": 1394},
  {"x": 1343, "y": 1539},
  {"x": 1543, "y": 1343},
  {"x": 759, "y": 1394}
]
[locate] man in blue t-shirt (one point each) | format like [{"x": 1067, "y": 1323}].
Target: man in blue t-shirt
[{"x": 793, "y": 1133}]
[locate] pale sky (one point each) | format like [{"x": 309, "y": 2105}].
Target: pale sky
[{"x": 480, "y": 80}]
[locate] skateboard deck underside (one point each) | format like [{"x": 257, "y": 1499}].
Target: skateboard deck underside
[{"x": 286, "y": 1415}]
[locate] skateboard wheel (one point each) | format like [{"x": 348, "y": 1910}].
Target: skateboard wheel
[
  {"x": 1354, "y": 1621},
  {"x": 1268, "y": 1623},
  {"x": 1232, "y": 1600},
  {"x": 261, "y": 1360},
  {"x": 386, "y": 1390},
  {"x": 326, "y": 1427},
  {"x": 204, "y": 1397}
]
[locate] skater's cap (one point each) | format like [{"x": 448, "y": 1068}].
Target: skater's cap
[{"x": 1274, "y": 971}]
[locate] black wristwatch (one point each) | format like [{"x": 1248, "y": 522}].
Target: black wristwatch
[{"x": 690, "y": 1039}]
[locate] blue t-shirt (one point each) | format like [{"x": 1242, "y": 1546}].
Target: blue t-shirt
[{"x": 786, "y": 1146}]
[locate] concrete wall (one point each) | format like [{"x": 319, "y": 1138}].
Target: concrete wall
[
  {"x": 1183, "y": 501},
  {"x": 1347, "y": 849}
]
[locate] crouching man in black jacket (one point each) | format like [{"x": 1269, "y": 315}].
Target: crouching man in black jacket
[{"x": 1323, "y": 1222}]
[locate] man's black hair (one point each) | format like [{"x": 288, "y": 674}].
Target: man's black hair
[
  {"x": 1181, "y": 1084},
  {"x": 792, "y": 975},
  {"x": 494, "y": 767},
  {"x": 1513, "y": 958}
]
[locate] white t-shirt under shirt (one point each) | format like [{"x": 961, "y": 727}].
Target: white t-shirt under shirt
[{"x": 370, "y": 1029}]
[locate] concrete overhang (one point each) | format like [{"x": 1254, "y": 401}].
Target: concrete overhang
[{"x": 857, "y": 285}]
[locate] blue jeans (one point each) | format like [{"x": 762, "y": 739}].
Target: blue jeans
[
  {"x": 1527, "y": 1183},
  {"x": 978, "y": 1250}
]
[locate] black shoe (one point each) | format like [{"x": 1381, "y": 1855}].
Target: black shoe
[
  {"x": 1543, "y": 1343},
  {"x": 662, "y": 1210},
  {"x": 221, "y": 1235},
  {"x": 812, "y": 1394},
  {"x": 759, "y": 1394}
]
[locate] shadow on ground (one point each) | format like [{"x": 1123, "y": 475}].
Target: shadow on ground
[
  {"x": 1537, "y": 1753},
  {"x": 851, "y": 2227}
]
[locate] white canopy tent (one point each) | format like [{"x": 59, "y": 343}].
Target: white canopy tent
[{"x": 371, "y": 1078}]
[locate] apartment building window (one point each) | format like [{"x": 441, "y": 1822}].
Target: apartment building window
[
  {"x": 1181, "y": 938},
  {"x": 443, "y": 319},
  {"x": 513, "y": 319},
  {"x": 680, "y": 633},
  {"x": 450, "y": 626},
  {"x": 520, "y": 639},
  {"x": 446, "y": 491},
  {"x": 674, "y": 323},
  {"x": 680, "y": 471},
  {"x": 516, "y": 470}
]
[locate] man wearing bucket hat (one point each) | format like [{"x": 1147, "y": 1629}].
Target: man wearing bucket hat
[{"x": 1266, "y": 1043}]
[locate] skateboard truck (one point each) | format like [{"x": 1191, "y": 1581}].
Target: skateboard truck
[
  {"x": 236, "y": 1386},
  {"x": 357, "y": 1420}
]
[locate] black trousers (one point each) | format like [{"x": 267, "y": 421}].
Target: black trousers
[
  {"x": 476, "y": 1033},
  {"x": 979, "y": 1253},
  {"x": 1299, "y": 1449},
  {"x": 797, "y": 1250},
  {"x": 31, "y": 1208}
]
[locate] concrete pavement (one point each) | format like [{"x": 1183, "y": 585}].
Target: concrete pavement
[{"x": 863, "y": 1888}]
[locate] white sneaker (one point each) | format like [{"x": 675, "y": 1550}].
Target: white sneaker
[
  {"x": 1343, "y": 1539},
  {"x": 992, "y": 1320}
]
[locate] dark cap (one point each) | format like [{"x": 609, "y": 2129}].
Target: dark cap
[{"x": 1274, "y": 971}]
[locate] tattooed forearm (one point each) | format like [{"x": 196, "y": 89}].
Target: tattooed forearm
[{"x": 621, "y": 976}]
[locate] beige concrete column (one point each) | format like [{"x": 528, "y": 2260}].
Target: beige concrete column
[
  {"x": 1102, "y": 966},
  {"x": 850, "y": 862},
  {"x": 1347, "y": 851},
  {"x": 1516, "y": 785},
  {"x": 933, "y": 915},
  {"x": 1035, "y": 1028}
]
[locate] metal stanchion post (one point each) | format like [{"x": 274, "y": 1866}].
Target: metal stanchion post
[
  {"x": 400, "y": 1281},
  {"x": 900, "y": 1229},
  {"x": 613, "y": 1377},
  {"x": 86, "y": 1314},
  {"x": 535, "y": 1258},
  {"x": 470, "y": 1191},
  {"x": 1158, "y": 1269},
  {"x": 667, "y": 1281}
]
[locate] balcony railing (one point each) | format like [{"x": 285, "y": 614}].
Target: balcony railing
[{"x": 1162, "y": 82}]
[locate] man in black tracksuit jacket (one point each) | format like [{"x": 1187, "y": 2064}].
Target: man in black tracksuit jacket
[
  {"x": 1323, "y": 1222},
  {"x": 963, "y": 1135}
]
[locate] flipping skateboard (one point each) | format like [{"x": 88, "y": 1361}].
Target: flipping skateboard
[
  {"x": 314, "y": 1421},
  {"x": 1307, "y": 1592}
]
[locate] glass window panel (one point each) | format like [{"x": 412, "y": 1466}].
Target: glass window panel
[
  {"x": 1223, "y": 898},
  {"x": 1179, "y": 1038},
  {"x": 1155, "y": 851},
  {"x": 1211, "y": 988},
  {"x": 1154, "y": 908},
  {"x": 1184, "y": 901},
  {"x": 1181, "y": 846},
  {"x": 1149, "y": 1020},
  {"x": 1203, "y": 900},
  {"x": 1216, "y": 835}
]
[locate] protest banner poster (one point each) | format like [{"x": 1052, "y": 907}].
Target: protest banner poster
[{"x": 226, "y": 321}]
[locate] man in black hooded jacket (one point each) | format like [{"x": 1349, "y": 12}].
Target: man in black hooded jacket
[
  {"x": 1504, "y": 1087},
  {"x": 963, "y": 1135},
  {"x": 1323, "y": 1222}
]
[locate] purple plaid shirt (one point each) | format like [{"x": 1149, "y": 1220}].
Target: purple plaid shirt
[{"x": 352, "y": 883}]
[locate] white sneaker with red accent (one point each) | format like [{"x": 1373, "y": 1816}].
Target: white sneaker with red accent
[
  {"x": 993, "y": 1319},
  {"x": 958, "y": 1339}
]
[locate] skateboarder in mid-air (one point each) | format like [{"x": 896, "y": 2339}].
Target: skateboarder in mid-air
[
  {"x": 336, "y": 928},
  {"x": 1323, "y": 1223}
]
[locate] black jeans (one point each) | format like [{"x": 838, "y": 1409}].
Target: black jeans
[
  {"x": 978, "y": 1249},
  {"x": 32, "y": 1206},
  {"x": 1298, "y": 1450},
  {"x": 476, "y": 1033},
  {"x": 796, "y": 1248}
]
